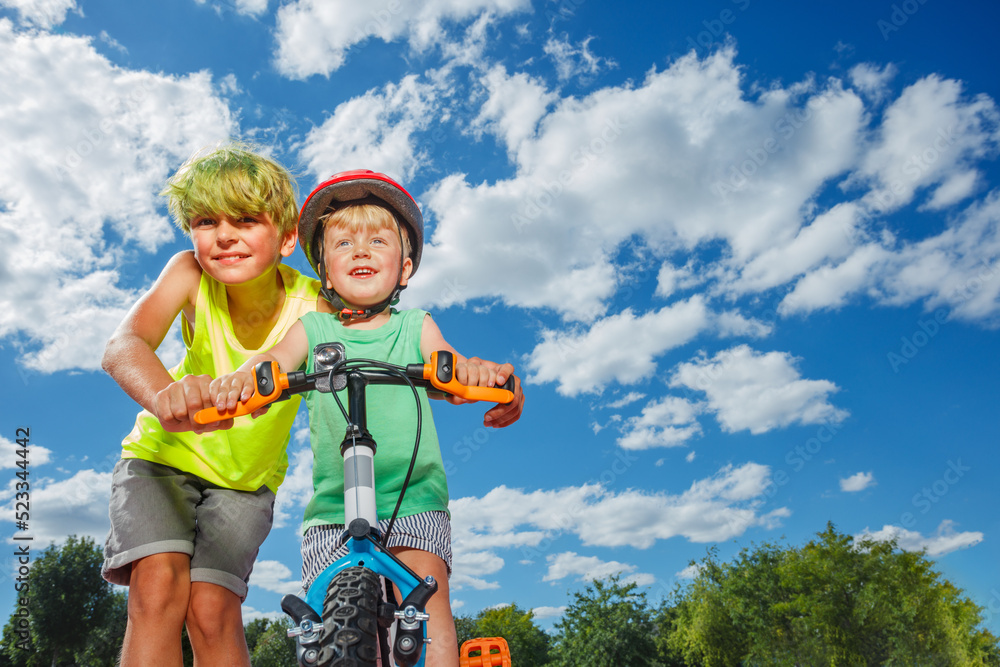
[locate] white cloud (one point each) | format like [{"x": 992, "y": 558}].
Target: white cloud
[
  {"x": 548, "y": 612},
  {"x": 712, "y": 509},
  {"x": 643, "y": 162},
  {"x": 857, "y": 482},
  {"x": 757, "y": 391},
  {"x": 945, "y": 540},
  {"x": 954, "y": 189},
  {"x": 931, "y": 132},
  {"x": 667, "y": 422},
  {"x": 827, "y": 238},
  {"x": 314, "y": 37},
  {"x": 42, "y": 13},
  {"x": 576, "y": 61},
  {"x": 12, "y": 453},
  {"x": 620, "y": 348},
  {"x": 590, "y": 568},
  {"x": 689, "y": 572},
  {"x": 872, "y": 80},
  {"x": 627, "y": 399},
  {"x": 830, "y": 286},
  {"x": 471, "y": 567},
  {"x": 274, "y": 576},
  {"x": 74, "y": 506},
  {"x": 252, "y": 614},
  {"x": 955, "y": 269},
  {"x": 251, "y": 7},
  {"x": 671, "y": 278},
  {"x": 112, "y": 138},
  {"x": 296, "y": 490},
  {"x": 514, "y": 105},
  {"x": 374, "y": 131},
  {"x": 732, "y": 324},
  {"x": 247, "y": 7},
  {"x": 112, "y": 42}
]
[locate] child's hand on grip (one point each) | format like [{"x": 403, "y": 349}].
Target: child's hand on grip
[
  {"x": 482, "y": 373},
  {"x": 230, "y": 390}
]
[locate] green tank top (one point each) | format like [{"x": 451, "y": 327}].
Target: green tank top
[
  {"x": 252, "y": 453},
  {"x": 391, "y": 421}
]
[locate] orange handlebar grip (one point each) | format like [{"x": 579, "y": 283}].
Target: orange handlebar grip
[
  {"x": 269, "y": 382},
  {"x": 441, "y": 373}
]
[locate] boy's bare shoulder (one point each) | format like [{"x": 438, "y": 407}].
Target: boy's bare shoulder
[
  {"x": 182, "y": 274},
  {"x": 184, "y": 261}
]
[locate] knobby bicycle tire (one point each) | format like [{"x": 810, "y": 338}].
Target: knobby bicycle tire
[{"x": 350, "y": 624}]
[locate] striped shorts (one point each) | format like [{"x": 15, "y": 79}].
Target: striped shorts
[{"x": 427, "y": 531}]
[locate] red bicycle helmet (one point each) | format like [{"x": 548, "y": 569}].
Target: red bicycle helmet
[
  {"x": 348, "y": 187},
  {"x": 354, "y": 187}
]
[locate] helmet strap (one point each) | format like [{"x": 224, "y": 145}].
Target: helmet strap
[{"x": 347, "y": 314}]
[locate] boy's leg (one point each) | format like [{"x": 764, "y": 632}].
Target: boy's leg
[
  {"x": 443, "y": 649},
  {"x": 231, "y": 527},
  {"x": 149, "y": 550},
  {"x": 157, "y": 604},
  {"x": 215, "y": 626}
]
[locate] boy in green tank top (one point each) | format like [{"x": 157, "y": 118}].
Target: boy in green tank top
[
  {"x": 363, "y": 234},
  {"x": 190, "y": 505}
]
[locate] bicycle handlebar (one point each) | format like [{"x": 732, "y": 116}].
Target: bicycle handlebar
[{"x": 270, "y": 385}]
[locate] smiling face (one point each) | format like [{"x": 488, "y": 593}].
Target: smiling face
[
  {"x": 362, "y": 252},
  {"x": 235, "y": 251}
]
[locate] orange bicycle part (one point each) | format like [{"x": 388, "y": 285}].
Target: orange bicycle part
[
  {"x": 269, "y": 382},
  {"x": 441, "y": 374},
  {"x": 486, "y": 658}
]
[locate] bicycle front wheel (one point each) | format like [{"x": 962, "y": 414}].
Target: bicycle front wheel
[{"x": 350, "y": 623}]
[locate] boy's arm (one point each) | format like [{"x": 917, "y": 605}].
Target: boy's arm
[
  {"x": 130, "y": 354},
  {"x": 477, "y": 372}
]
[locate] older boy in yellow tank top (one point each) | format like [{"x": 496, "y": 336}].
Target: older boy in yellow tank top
[{"x": 189, "y": 510}]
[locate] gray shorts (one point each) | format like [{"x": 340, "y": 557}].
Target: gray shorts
[
  {"x": 157, "y": 509},
  {"x": 427, "y": 531}
]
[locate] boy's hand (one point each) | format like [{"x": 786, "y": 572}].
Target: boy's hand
[
  {"x": 481, "y": 373},
  {"x": 229, "y": 390},
  {"x": 176, "y": 404}
]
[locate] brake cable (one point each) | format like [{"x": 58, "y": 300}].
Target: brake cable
[{"x": 360, "y": 364}]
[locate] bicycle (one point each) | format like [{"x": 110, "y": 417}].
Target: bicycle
[{"x": 345, "y": 617}]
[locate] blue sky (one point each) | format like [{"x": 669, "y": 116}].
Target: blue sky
[{"x": 743, "y": 254}]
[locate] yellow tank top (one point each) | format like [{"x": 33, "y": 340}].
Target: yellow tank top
[{"x": 252, "y": 453}]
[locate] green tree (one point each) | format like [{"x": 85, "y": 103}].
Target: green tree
[
  {"x": 834, "y": 601},
  {"x": 253, "y": 631},
  {"x": 610, "y": 624},
  {"x": 74, "y": 616},
  {"x": 465, "y": 628},
  {"x": 272, "y": 647},
  {"x": 665, "y": 620},
  {"x": 528, "y": 644}
]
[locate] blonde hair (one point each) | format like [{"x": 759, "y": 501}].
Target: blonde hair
[
  {"x": 232, "y": 180},
  {"x": 367, "y": 218}
]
